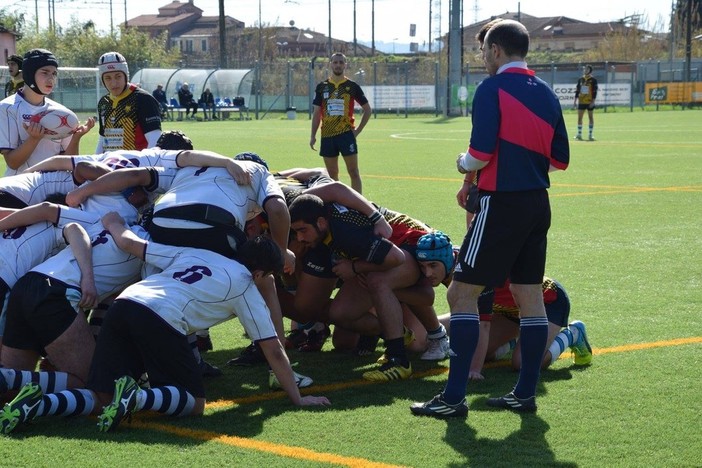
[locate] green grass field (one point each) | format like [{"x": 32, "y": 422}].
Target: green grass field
[{"x": 625, "y": 242}]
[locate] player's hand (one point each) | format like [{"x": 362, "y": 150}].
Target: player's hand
[
  {"x": 89, "y": 296},
  {"x": 85, "y": 128},
  {"x": 344, "y": 269},
  {"x": 238, "y": 173},
  {"x": 475, "y": 375},
  {"x": 313, "y": 140},
  {"x": 310, "y": 400},
  {"x": 34, "y": 130},
  {"x": 382, "y": 228},
  {"x": 74, "y": 198},
  {"x": 462, "y": 195},
  {"x": 288, "y": 262},
  {"x": 112, "y": 218}
]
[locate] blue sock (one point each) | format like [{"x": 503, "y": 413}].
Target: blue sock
[
  {"x": 533, "y": 334},
  {"x": 463, "y": 337}
]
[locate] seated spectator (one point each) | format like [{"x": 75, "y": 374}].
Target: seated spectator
[
  {"x": 160, "y": 95},
  {"x": 186, "y": 100},
  {"x": 207, "y": 102}
]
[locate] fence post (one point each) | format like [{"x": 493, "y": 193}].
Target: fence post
[
  {"x": 658, "y": 77},
  {"x": 406, "y": 89},
  {"x": 436, "y": 89},
  {"x": 375, "y": 90}
]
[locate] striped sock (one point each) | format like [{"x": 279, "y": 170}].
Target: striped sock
[
  {"x": 533, "y": 333},
  {"x": 561, "y": 342},
  {"x": 580, "y": 130},
  {"x": 73, "y": 402},
  {"x": 49, "y": 381},
  {"x": 590, "y": 129},
  {"x": 463, "y": 336},
  {"x": 170, "y": 400}
]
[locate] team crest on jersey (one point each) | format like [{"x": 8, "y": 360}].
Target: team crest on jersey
[{"x": 458, "y": 268}]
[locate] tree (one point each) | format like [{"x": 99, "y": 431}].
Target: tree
[
  {"x": 80, "y": 45},
  {"x": 12, "y": 20}
]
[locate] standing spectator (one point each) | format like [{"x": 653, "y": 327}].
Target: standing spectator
[
  {"x": 22, "y": 141},
  {"x": 129, "y": 117},
  {"x": 186, "y": 100},
  {"x": 333, "y": 106},
  {"x": 207, "y": 102},
  {"x": 585, "y": 95},
  {"x": 160, "y": 95},
  {"x": 14, "y": 67},
  {"x": 518, "y": 135}
]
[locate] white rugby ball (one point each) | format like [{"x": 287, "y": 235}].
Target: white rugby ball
[{"x": 58, "y": 123}]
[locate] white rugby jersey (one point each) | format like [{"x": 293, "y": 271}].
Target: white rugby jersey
[
  {"x": 149, "y": 157},
  {"x": 23, "y": 248},
  {"x": 113, "y": 268},
  {"x": 198, "y": 289},
  {"x": 34, "y": 187},
  {"x": 214, "y": 186},
  {"x": 14, "y": 112}
]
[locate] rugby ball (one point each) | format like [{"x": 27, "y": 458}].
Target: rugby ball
[{"x": 58, "y": 123}]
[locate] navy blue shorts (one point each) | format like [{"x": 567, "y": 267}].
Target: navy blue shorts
[
  {"x": 344, "y": 143},
  {"x": 38, "y": 312},
  {"x": 506, "y": 240},
  {"x": 133, "y": 340}
]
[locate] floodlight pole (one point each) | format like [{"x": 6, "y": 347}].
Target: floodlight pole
[
  {"x": 331, "y": 49},
  {"x": 222, "y": 37}
]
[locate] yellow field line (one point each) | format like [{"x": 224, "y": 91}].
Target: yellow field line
[
  {"x": 298, "y": 453},
  {"x": 301, "y": 453},
  {"x": 615, "y": 188}
]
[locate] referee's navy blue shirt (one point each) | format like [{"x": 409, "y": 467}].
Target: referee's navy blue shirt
[{"x": 518, "y": 128}]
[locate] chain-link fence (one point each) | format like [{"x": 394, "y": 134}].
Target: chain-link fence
[{"x": 421, "y": 85}]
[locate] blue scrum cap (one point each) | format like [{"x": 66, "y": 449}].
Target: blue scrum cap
[
  {"x": 435, "y": 246},
  {"x": 249, "y": 156}
]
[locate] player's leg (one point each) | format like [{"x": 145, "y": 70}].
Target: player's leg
[
  {"x": 329, "y": 151},
  {"x": 591, "y": 123},
  {"x": 581, "y": 112},
  {"x": 72, "y": 351},
  {"x": 351, "y": 162}
]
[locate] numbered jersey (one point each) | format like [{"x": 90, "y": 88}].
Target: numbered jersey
[
  {"x": 22, "y": 248},
  {"x": 198, "y": 289},
  {"x": 336, "y": 102},
  {"x": 113, "y": 268},
  {"x": 15, "y": 113}
]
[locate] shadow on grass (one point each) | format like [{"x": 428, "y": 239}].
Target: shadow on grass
[{"x": 526, "y": 446}]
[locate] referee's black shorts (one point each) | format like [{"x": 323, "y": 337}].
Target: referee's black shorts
[{"x": 506, "y": 240}]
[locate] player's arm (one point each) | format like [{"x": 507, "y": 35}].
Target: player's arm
[
  {"x": 278, "y": 360},
  {"x": 467, "y": 163},
  {"x": 464, "y": 191},
  {"x": 54, "y": 163},
  {"x": 279, "y": 226},
  {"x": 115, "y": 181},
  {"x": 343, "y": 194},
  {"x": 74, "y": 145},
  {"x": 14, "y": 158},
  {"x": 79, "y": 242},
  {"x": 347, "y": 269},
  {"x": 364, "y": 118},
  {"x": 44, "y": 211},
  {"x": 316, "y": 119},
  {"x": 212, "y": 159},
  {"x": 123, "y": 237},
  {"x": 89, "y": 170}
]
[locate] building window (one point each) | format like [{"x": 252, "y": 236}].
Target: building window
[
  {"x": 204, "y": 45},
  {"x": 189, "y": 45}
]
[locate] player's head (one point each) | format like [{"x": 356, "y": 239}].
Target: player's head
[
  {"x": 434, "y": 254},
  {"x": 174, "y": 140},
  {"x": 114, "y": 72},
  {"x": 260, "y": 254},
  {"x": 39, "y": 61},
  {"x": 14, "y": 64},
  {"x": 308, "y": 219},
  {"x": 506, "y": 41},
  {"x": 337, "y": 62},
  {"x": 250, "y": 156},
  {"x": 587, "y": 69}
]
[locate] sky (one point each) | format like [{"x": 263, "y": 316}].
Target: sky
[{"x": 392, "y": 17}]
